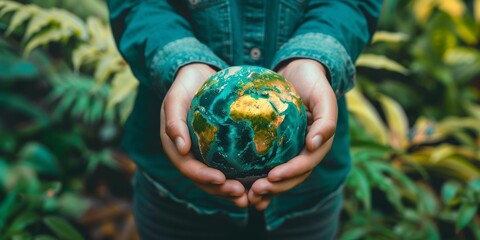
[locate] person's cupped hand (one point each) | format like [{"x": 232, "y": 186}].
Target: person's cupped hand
[
  {"x": 309, "y": 79},
  {"x": 176, "y": 140}
]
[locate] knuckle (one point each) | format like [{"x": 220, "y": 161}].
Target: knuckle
[{"x": 171, "y": 127}]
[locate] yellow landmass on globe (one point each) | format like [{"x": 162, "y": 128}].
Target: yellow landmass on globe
[
  {"x": 263, "y": 117},
  {"x": 204, "y": 131}
]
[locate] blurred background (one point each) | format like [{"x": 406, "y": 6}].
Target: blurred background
[{"x": 415, "y": 124}]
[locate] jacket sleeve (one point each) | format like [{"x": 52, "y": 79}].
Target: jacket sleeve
[
  {"x": 156, "y": 40},
  {"x": 333, "y": 33}
]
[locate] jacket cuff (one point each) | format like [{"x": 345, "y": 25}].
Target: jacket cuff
[
  {"x": 326, "y": 50},
  {"x": 168, "y": 60}
]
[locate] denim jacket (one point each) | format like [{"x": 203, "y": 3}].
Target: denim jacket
[{"x": 157, "y": 37}]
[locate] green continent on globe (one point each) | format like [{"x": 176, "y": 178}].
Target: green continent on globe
[{"x": 245, "y": 121}]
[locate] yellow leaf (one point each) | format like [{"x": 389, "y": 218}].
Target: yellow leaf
[
  {"x": 476, "y": 10},
  {"x": 70, "y": 22},
  {"x": 83, "y": 53},
  {"x": 390, "y": 37},
  {"x": 422, "y": 9},
  {"x": 20, "y": 17},
  {"x": 397, "y": 121},
  {"x": 40, "y": 20},
  {"x": 97, "y": 32},
  {"x": 449, "y": 165},
  {"x": 44, "y": 38},
  {"x": 441, "y": 152},
  {"x": 460, "y": 56},
  {"x": 367, "y": 116},
  {"x": 8, "y": 6},
  {"x": 123, "y": 84},
  {"x": 127, "y": 107},
  {"x": 105, "y": 67},
  {"x": 452, "y": 124},
  {"x": 473, "y": 109},
  {"x": 380, "y": 62},
  {"x": 454, "y": 8},
  {"x": 464, "y": 32}
]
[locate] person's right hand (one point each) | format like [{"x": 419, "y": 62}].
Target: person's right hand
[{"x": 176, "y": 140}]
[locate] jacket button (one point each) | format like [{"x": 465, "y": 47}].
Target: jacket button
[
  {"x": 193, "y": 2},
  {"x": 255, "y": 53}
]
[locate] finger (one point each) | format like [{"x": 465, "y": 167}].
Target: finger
[
  {"x": 241, "y": 201},
  {"x": 192, "y": 168},
  {"x": 299, "y": 165},
  {"x": 254, "y": 198},
  {"x": 263, "y": 204},
  {"x": 267, "y": 188},
  {"x": 320, "y": 131},
  {"x": 231, "y": 188},
  {"x": 227, "y": 191},
  {"x": 176, "y": 106},
  {"x": 323, "y": 107}
]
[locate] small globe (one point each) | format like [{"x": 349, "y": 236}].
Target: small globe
[{"x": 245, "y": 120}]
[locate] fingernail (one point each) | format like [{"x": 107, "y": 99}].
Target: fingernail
[
  {"x": 179, "y": 143},
  {"x": 316, "y": 141}
]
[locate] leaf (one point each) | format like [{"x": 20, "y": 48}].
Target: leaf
[
  {"x": 465, "y": 215},
  {"x": 39, "y": 21},
  {"x": 367, "y": 116},
  {"x": 465, "y": 32},
  {"x": 384, "y": 183},
  {"x": 362, "y": 187},
  {"x": 380, "y": 62},
  {"x": 461, "y": 55},
  {"x": 71, "y": 23},
  {"x": 96, "y": 110},
  {"x": 397, "y": 121},
  {"x": 7, "y": 207},
  {"x": 476, "y": 10},
  {"x": 105, "y": 67},
  {"x": 422, "y": 9},
  {"x": 123, "y": 84},
  {"x": 454, "y": 8},
  {"x": 450, "y": 190},
  {"x": 21, "y": 222},
  {"x": 73, "y": 204},
  {"x": 40, "y": 158},
  {"x": 428, "y": 204},
  {"x": 474, "y": 185},
  {"x": 50, "y": 35},
  {"x": 62, "y": 228},
  {"x": 22, "y": 105},
  {"x": 81, "y": 105},
  {"x": 81, "y": 54},
  {"x": 473, "y": 109},
  {"x": 44, "y": 237},
  {"x": 20, "y": 17},
  {"x": 8, "y": 6},
  {"x": 389, "y": 37},
  {"x": 354, "y": 233}
]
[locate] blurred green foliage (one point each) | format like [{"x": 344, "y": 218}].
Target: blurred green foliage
[{"x": 65, "y": 92}]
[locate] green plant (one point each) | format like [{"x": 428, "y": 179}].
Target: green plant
[
  {"x": 90, "y": 46},
  {"x": 416, "y": 181}
]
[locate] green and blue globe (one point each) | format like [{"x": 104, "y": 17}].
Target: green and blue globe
[{"x": 245, "y": 120}]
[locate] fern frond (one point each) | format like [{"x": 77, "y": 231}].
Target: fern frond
[
  {"x": 22, "y": 15},
  {"x": 50, "y": 35},
  {"x": 8, "y": 6},
  {"x": 123, "y": 84}
]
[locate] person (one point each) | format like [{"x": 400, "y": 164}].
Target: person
[{"x": 172, "y": 47}]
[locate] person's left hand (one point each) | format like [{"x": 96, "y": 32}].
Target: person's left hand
[{"x": 309, "y": 79}]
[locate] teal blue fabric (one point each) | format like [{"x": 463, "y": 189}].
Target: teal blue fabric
[{"x": 157, "y": 37}]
